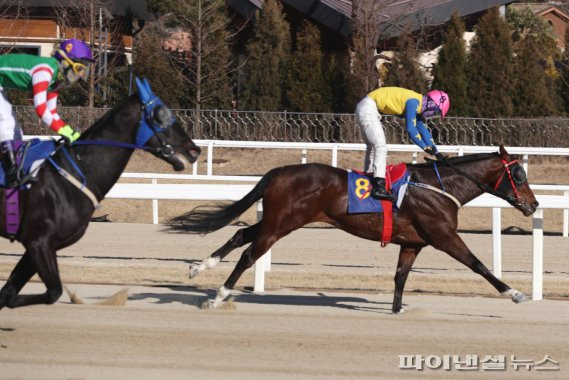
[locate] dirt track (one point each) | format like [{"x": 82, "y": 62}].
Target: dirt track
[{"x": 304, "y": 326}]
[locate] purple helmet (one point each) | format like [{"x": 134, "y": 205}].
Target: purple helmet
[{"x": 74, "y": 49}]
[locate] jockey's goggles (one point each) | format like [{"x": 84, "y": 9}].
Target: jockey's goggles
[{"x": 80, "y": 69}]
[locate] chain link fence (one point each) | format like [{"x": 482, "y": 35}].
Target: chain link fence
[{"x": 329, "y": 127}]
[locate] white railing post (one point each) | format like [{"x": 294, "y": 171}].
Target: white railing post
[
  {"x": 303, "y": 156},
  {"x": 210, "y": 158},
  {"x": 414, "y": 158},
  {"x": 525, "y": 163},
  {"x": 154, "y": 205},
  {"x": 497, "y": 242},
  {"x": 335, "y": 155},
  {"x": 565, "y": 217},
  {"x": 263, "y": 264},
  {"x": 537, "y": 271}
]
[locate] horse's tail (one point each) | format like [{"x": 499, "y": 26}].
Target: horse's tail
[{"x": 208, "y": 218}]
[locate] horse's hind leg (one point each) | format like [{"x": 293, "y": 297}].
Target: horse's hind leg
[
  {"x": 45, "y": 262},
  {"x": 240, "y": 238},
  {"x": 257, "y": 249},
  {"x": 21, "y": 274},
  {"x": 407, "y": 256}
]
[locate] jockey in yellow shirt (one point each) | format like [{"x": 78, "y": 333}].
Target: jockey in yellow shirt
[{"x": 415, "y": 108}]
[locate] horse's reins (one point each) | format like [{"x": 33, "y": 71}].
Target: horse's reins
[{"x": 514, "y": 201}]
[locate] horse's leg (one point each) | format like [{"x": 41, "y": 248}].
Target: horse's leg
[
  {"x": 257, "y": 249},
  {"x": 45, "y": 262},
  {"x": 21, "y": 274},
  {"x": 240, "y": 238},
  {"x": 407, "y": 256},
  {"x": 454, "y": 246}
]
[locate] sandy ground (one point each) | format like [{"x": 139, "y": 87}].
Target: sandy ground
[{"x": 325, "y": 314}]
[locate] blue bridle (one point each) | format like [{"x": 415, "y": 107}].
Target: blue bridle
[{"x": 156, "y": 118}]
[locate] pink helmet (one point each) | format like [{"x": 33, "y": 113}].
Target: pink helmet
[{"x": 441, "y": 100}]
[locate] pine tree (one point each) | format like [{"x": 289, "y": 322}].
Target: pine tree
[
  {"x": 336, "y": 74},
  {"x": 564, "y": 76},
  {"x": 532, "y": 96},
  {"x": 268, "y": 55},
  {"x": 404, "y": 70},
  {"x": 491, "y": 67},
  {"x": 449, "y": 73},
  {"x": 535, "y": 46},
  {"x": 306, "y": 90}
]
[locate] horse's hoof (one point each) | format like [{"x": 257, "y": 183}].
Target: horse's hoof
[
  {"x": 193, "y": 270},
  {"x": 208, "y": 304},
  {"x": 519, "y": 297},
  {"x": 400, "y": 311}
]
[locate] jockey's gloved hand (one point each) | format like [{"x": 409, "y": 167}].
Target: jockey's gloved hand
[
  {"x": 68, "y": 133},
  {"x": 431, "y": 150}
]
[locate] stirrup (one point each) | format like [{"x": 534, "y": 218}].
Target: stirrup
[{"x": 382, "y": 194}]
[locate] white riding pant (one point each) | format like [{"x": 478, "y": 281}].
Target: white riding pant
[
  {"x": 9, "y": 129},
  {"x": 369, "y": 120}
]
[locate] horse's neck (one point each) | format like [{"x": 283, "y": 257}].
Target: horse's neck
[
  {"x": 103, "y": 165},
  {"x": 465, "y": 189},
  {"x": 459, "y": 185}
]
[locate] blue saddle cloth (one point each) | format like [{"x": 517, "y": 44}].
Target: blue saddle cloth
[
  {"x": 359, "y": 196},
  {"x": 30, "y": 156}
]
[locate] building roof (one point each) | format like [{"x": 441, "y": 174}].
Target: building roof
[
  {"x": 395, "y": 16},
  {"x": 127, "y": 8},
  {"x": 541, "y": 9}
]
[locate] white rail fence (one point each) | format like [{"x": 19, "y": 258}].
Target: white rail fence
[{"x": 155, "y": 191}]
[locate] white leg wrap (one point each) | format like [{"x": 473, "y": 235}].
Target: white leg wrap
[
  {"x": 208, "y": 263},
  {"x": 222, "y": 294},
  {"x": 516, "y": 295}
]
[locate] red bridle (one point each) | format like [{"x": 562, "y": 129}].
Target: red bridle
[{"x": 507, "y": 171}]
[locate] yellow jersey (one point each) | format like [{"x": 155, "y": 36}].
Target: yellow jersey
[{"x": 392, "y": 100}]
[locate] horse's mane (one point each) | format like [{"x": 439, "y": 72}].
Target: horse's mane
[
  {"x": 103, "y": 120},
  {"x": 458, "y": 160}
]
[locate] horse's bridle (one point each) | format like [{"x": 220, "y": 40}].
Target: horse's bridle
[
  {"x": 516, "y": 176},
  {"x": 159, "y": 118}
]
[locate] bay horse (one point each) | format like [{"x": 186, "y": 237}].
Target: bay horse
[
  {"x": 55, "y": 213},
  {"x": 296, "y": 195}
]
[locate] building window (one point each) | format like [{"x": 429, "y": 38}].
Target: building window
[{"x": 25, "y": 49}]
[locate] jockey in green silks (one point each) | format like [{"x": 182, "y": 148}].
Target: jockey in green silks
[
  {"x": 415, "y": 108},
  {"x": 43, "y": 76}
]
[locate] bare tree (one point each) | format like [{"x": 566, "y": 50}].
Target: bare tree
[
  {"x": 369, "y": 19},
  {"x": 91, "y": 21},
  {"x": 13, "y": 22},
  {"x": 208, "y": 67}
]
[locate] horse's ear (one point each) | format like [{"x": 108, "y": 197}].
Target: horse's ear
[{"x": 503, "y": 152}]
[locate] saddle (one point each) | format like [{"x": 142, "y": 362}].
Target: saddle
[
  {"x": 30, "y": 157},
  {"x": 360, "y": 201}
]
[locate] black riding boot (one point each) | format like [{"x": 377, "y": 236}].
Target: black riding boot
[
  {"x": 378, "y": 190},
  {"x": 9, "y": 164}
]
